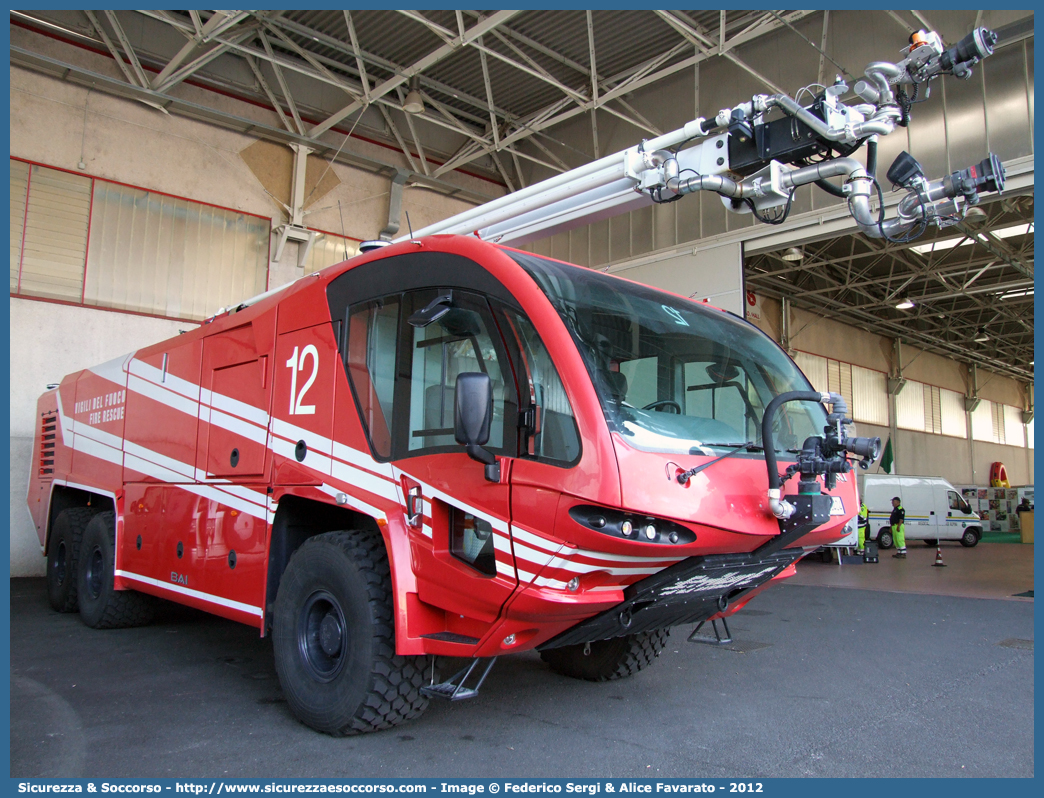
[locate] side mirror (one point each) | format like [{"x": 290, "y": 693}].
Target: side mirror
[{"x": 472, "y": 418}]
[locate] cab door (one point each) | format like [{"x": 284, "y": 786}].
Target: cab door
[
  {"x": 549, "y": 451},
  {"x": 952, "y": 517},
  {"x": 457, "y": 520}
]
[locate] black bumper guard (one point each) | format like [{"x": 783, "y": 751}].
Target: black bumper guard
[{"x": 696, "y": 588}]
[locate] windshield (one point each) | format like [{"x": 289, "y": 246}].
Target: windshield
[{"x": 672, "y": 375}]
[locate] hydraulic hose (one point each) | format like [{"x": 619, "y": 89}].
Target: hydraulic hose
[
  {"x": 780, "y": 508},
  {"x": 766, "y": 427}
]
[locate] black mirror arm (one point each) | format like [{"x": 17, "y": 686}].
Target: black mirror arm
[{"x": 487, "y": 458}]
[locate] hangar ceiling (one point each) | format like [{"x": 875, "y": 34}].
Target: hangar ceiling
[
  {"x": 499, "y": 89},
  {"x": 971, "y": 285},
  {"x": 489, "y": 80}
]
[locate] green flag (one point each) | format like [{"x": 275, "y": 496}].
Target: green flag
[{"x": 887, "y": 459}]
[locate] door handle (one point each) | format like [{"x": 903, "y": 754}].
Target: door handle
[{"x": 414, "y": 507}]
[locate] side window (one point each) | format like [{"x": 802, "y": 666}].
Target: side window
[
  {"x": 548, "y": 421},
  {"x": 957, "y": 502},
  {"x": 463, "y": 339},
  {"x": 370, "y": 359}
]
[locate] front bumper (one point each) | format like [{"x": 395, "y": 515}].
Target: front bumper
[{"x": 688, "y": 592}]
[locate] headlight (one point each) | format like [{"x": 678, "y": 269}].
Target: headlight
[{"x": 631, "y": 526}]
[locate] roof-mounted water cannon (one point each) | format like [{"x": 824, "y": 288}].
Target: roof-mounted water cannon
[
  {"x": 969, "y": 51},
  {"x": 820, "y": 456},
  {"x": 987, "y": 175}
]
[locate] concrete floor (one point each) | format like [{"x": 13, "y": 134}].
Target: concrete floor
[
  {"x": 989, "y": 570},
  {"x": 820, "y": 682}
]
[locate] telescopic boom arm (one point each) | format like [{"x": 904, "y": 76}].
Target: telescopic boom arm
[{"x": 756, "y": 154}]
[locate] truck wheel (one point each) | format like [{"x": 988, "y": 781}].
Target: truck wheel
[
  {"x": 607, "y": 660},
  {"x": 101, "y": 605},
  {"x": 884, "y": 538},
  {"x": 970, "y": 538},
  {"x": 334, "y": 638},
  {"x": 931, "y": 542},
  {"x": 63, "y": 554}
]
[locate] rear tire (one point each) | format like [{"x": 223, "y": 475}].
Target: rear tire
[
  {"x": 608, "y": 659},
  {"x": 63, "y": 556},
  {"x": 101, "y": 605},
  {"x": 931, "y": 542},
  {"x": 970, "y": 538},
  {"x": 334, "y": 638},
  {"x": 884, "y": 538}
]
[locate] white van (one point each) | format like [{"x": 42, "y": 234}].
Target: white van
[{"x": 935, "y": 509}]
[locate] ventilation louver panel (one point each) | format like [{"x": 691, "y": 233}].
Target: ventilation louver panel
[{"x": 48, "y": 435}]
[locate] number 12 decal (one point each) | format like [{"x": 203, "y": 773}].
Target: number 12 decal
[{"x": 295, "y": 364}]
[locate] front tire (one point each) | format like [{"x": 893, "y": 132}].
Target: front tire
[
  {"x": 63, "y": 556},
  {"x": 334, "y": 638},
  {"x": 884, "y": 538},
  {"x": 101, "y": 605},
  {"x": 607, "y": 660},
  {"x": 970, "y": 538}
]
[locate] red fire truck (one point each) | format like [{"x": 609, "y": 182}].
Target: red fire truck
[
  {"x": 440, "y": 447},
  {"x": 447, "y": 447}
]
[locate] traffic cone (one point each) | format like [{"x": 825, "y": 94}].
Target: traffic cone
[{"x": 938, "y": 557}]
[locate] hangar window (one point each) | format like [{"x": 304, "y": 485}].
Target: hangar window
[
  {"x": 869, "y": 396},
  {"x": 90, "y": 241},
  {"x": 328, "y": 249},
  {"x": 864, "y": 389},
  {"x": 954, "y": 417},
  {"x": 49, "y": 239}
]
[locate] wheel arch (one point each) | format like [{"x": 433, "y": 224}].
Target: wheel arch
[
  {"x": 64, "y": 497},
  {"x": 296, "y": 520}
]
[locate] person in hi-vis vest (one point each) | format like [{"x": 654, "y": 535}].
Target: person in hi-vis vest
[
  {"x": 864, "y": 526},
  {"x": 898, "y": 521}
]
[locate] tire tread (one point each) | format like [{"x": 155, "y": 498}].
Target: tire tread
[
  {"x": 125, "y": 608},
  {"x": 622, "y": 657},
  {"x": 393, "y": 693},
  {"x": 78, "y": 518}
]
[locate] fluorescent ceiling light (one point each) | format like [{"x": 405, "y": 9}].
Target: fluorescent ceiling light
[
  {"x": 1016, "y": 294},
  {"x": 950, "y": 243},
  {"x": 906, "y": 304}
]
